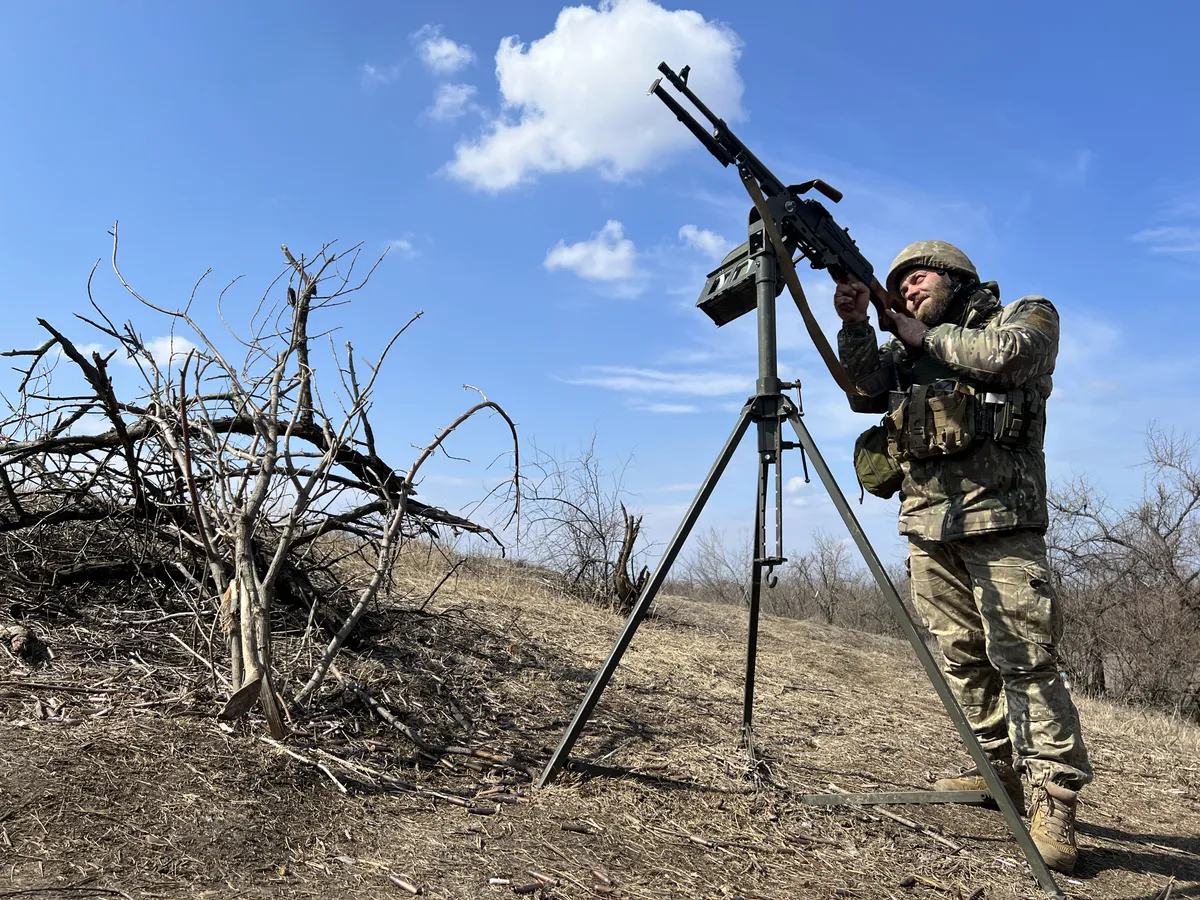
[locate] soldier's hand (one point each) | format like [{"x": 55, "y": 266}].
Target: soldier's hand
[
  {"x": 910, "y": 330},
  {"x": 850, "y": 301}
]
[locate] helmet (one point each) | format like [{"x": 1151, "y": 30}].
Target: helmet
[{"x": 930, "y": 254}]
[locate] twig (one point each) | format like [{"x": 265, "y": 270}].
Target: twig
[
  {"x": 304, "y": 759},
  {"x": 211, "y": 668},
  {"x": 438, "y": 586}
]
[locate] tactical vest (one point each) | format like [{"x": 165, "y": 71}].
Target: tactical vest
[{"x": 936, "y": 411}]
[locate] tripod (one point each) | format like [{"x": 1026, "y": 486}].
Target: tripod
[{"x": 768, "y": 409}]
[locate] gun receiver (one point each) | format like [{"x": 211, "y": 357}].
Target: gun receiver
[{"x": 803, "y": 224}]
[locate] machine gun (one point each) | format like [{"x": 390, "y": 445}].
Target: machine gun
[{"x": 791, "y": 221}]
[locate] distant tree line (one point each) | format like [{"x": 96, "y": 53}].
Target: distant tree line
[{"x": 1129, "y": 578}]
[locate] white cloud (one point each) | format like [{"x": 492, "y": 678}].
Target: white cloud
[
  {"x": 403, "y": 246},
  {"x": 794, "y": 485},
  {"x": 707, "y": 242},
  {"x": 810, "y": 501},
  {"x": 644, "y": 381},
  {"x": 451, "y": 101},
  {"x": 439, "y": 53},
  {"x": 609, "y": 256},
  {"x": 169, "y": 348},
  {"x": 86, "y": 349},
  {"x": 576, "y": 98}
]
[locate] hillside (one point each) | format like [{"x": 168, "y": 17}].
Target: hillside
[{"x": 115, "y": 781}]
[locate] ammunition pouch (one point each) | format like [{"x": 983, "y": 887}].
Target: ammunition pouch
[
  {"x": 946, "y": 417},
  {"x": 935, "y": 419},
  {"x": 1012, "y": 417},
  {"x": 878, "y": 470}
]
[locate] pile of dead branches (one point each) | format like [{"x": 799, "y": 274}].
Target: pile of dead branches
[{"x": 223, "y": 477}]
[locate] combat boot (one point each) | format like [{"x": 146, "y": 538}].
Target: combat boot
[
  {"x": 971, "y": 780},
  {"x": 1052, "y": 825}
]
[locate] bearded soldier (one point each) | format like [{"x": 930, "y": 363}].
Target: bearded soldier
[{"x": 964, "y": 385}]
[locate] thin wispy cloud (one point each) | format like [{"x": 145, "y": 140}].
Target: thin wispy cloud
[
  {"x": 666, "y": 408},
  {"x": 450, "y": 480},
  {"x": 648, "y": 381},
  {"x": 1178, "y": 230},
  {"x": 1071, "y": 170},
  {"x": 1173, "y": 240},
  {"x": 440, "y": 54},
  {"x": 576, "y": 97},
  {"x": 376, "y": 75},
  {"x": 1184, "y": 202}
]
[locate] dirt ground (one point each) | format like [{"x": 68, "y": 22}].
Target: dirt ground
[{"x": 116, "y": 780}]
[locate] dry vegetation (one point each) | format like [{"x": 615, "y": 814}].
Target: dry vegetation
[{"x": 116, "y": 781}]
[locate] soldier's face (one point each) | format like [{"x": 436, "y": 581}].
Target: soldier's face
[{"x": 926, "y": 293}]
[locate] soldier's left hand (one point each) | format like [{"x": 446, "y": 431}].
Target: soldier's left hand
[{"x": 910, "y": 330}]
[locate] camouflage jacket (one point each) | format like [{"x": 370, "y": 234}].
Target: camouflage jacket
[{"x": 989, "y": 486}]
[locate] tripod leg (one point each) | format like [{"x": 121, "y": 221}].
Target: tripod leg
[
  {"x": 756, "y": 568},
  {"x": 1000, "y": 796},
  {"x": 600, "y": 682}
]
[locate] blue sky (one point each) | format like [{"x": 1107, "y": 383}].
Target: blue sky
[{"x": 555, "y": 224}]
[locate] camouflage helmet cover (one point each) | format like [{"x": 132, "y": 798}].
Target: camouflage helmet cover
[{"x": 929, "y": 254}]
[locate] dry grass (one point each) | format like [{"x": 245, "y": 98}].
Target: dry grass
[{"x": 112, "y": 784}]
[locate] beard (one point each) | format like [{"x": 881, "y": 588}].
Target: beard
[{"x": 937, "y": 300}]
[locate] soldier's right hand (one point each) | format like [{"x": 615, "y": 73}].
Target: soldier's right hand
[{"x": 850, "y": 301}]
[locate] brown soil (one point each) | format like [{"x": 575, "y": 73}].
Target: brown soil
[{"x": 115, "y": 781}]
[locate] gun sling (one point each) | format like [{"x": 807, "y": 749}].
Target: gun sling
[{"x": 794, "y": 288}]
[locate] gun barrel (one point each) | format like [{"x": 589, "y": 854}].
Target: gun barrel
[
  {"x": 722, "y": 143},
  {"x": 724, "y": 157},
  {"x": 681, "y": 86}
]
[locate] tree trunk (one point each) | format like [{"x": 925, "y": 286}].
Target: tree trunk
[{"x": 626, "y": 588}]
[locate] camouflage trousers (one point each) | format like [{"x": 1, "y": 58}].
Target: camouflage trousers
[{"x": 989, "y": 602}]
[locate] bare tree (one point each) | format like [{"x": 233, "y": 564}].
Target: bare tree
[
  {"x": 577, "y": 524},
  {"x": 717, "y": 570},
  {"x": 826, "y": 574},
  {"x": 229, "y": 473}
]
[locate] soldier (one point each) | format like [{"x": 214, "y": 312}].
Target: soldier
[{"x": 964, "y": 384}]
